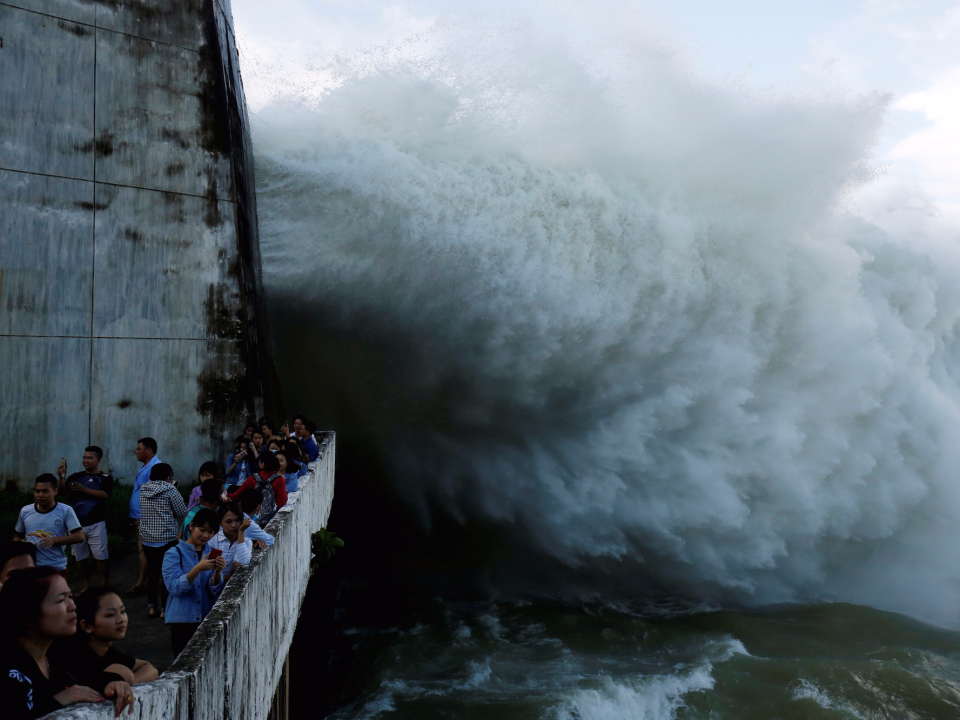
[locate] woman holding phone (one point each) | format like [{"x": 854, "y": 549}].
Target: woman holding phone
[
  {"x": 193, "y": 578},
  {"x": 230, "y": 539},
  {"x": 240, "y": 463}
]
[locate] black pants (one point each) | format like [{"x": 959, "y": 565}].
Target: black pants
[
  {"x": 180, "y": 634},
  {"x": 155, "y": 573}
]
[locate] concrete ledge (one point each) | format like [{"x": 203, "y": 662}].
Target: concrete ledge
[{"x": 234, "y": 661}]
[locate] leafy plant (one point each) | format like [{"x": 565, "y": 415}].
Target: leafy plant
[{"x": 325, "y": 543}]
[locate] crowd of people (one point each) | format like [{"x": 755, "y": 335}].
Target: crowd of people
[{"x": 60, "y": 649}]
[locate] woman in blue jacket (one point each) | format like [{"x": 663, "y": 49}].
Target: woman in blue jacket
[
  {"x": 239, "y": 463},
  {"x": 193, "y": 580},
  {"x": 290, "y": 470}
]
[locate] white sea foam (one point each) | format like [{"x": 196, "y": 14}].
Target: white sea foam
[
  {"x": 806, "y": 690},
  {"x": 382, "y": 702},
  {"x": 625, "y": 306},
  {"x": 728, "y": 649},
  {"x": 480, "y": 673},
  {"x": 492, "y": 623},
  {"x": 809, "y": 690},
  {"x": 651, "y": 698}
]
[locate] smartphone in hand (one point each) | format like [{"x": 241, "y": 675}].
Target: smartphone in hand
[{"x": 215, "y": 553}]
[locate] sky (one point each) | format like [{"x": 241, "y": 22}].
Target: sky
[{"x": 910, "y": 50}]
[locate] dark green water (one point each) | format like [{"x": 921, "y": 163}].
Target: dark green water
[{"x": 526, "y": 658}]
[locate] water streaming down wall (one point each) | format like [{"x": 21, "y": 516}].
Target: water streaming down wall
[
  {"x": 232, "y": 666},
  {"x": 130, "y": 291}
]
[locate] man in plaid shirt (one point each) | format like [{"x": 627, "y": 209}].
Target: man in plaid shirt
[{"x": 161, "y": 512}]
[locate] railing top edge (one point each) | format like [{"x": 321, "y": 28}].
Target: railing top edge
[{"x": 177, "y": 678}]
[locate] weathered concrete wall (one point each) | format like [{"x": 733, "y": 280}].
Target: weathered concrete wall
[
  {"x": 235, "y": 659},
  {"x": 130, "y": 293}
]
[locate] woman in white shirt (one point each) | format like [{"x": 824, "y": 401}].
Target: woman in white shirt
[{"x": 230, "y": 539}]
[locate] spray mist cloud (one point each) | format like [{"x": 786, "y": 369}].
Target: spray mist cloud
[{"x": 629, "y": 309}]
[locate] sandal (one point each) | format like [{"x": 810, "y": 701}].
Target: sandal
[
  {"x": 153, "y": 614},
  {"x": 136, "y": 591}
]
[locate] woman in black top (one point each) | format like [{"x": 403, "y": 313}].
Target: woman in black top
[
  {"x": 101, "y": 621},
  {"x": 36, "y": 609}
]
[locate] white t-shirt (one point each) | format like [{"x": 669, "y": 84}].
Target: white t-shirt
[{"x": 60, "y": 521}]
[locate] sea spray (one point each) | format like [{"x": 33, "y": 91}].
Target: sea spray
[{"x": 585, "y": 291}]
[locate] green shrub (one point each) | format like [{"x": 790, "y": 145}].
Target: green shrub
[
  {"x": 10, "y": 505},
  {"x": 324, "y": 544}
]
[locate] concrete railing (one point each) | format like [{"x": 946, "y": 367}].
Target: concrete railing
[{"x": 235, "y": 660}]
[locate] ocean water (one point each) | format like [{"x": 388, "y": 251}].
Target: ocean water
[
  {"x": 539, "y": 658},
  {"x": 550, "y": 279}
]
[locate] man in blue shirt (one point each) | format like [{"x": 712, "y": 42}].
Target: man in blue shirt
[
  {"x": 89, "y": 491},
  {"x": 310, "y": 446},
  {"x": 147, "y": 454}
]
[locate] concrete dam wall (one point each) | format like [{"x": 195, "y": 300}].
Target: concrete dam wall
[
  {"x": 130, "y": 292},
  {"x": 234, "y": 666}
]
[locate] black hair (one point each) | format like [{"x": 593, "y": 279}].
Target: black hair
[
  {"x": 242, "y": 440},
  {"x": 310, "y": 425},
  {"x": 269, "y": 461},
  {"x": 274, "y": 441},
  {"x": 47, "y": 478},
  {"x": 89, "y": 603},
  {"x": 292, "y": 463},
  {"x": 98, "y": 451},
  {"x": 209, "y": 467},
  {"x": 226, "y": 507},
  {"x": 249, "y": 426},
  {"x": 301, "y": 418},
  {"x": 258, "y": 431},
  {"x": 210, "y": 490},
  {"x": 161, "y": 471},
  {"x": 13, "y": 549},
  {"x": 205, "y": 516},
  {"x": 250, "y": 500},
  {"x": 269, "y": 423},
  {"x": 293, "y": 449},
  {"x": 21, "y": 598},
  {"x": 149, "y": 443}
]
